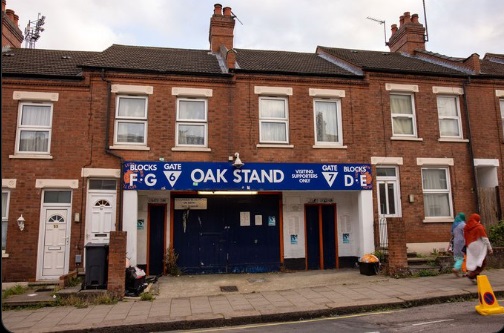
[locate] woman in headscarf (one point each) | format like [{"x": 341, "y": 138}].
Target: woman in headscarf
[
  {"x": 457, "y": 232},
  {"x": 477, "y": 245}
]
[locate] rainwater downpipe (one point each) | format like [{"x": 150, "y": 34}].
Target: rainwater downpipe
[
  {"x": 110, "y": 152},
  {"x": 469, "y": 136}
]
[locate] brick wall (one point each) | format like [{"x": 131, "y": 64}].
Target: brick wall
[
  {"x": 397, "y": 256},
  {"x": 117, "y": 263}
]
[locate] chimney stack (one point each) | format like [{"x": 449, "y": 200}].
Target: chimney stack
[
  {"x": 410, "y": 35},
  {"x": 12, "y": 36},
  {"x": 221, "y": 29}
]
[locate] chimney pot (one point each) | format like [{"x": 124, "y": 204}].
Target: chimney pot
[
  {"x": 217, "y": 9},
  {"x": 10, "y": 14},
  {"x": 401, "y": 20},
  {"x": 414, "y": 18},
  {"x": 4, "y": 3},
  {"x": 227, "y": 11},
  {"x": 393, "y": 28},
  {"x": 407, "y": 17},
  {"x": 16, "y": 19}
]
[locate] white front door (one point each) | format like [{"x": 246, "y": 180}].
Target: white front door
[
  {"x": 100, "y": 217},
  {"x": 56, "y": 242}
]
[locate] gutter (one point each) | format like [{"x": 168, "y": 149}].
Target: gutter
[
  {"x": 469, "y": 136},
  {"x": 110, "y": 152}
]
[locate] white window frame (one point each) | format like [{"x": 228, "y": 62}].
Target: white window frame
[
  {"x": 5, "y": 219},
  {"x": 456, "y": 117},
  {"x": 192, "y": 122},
  {"x": 36, "y": 128},
  {"x": 501, "y": 102},
  {"x": 339, "y": 126},
  {"x": 411, "y": 116},
  {"x": 120, "y": 119},
  {"x": 386, "y": 181},
  {"x": 279, "y": 120},
  {"x": 446, "y": 191}
]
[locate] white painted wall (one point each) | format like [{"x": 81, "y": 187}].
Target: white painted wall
[
  {"x": 365, "y": 202},
  {"x": 130, "y": 217},
  {"x": 354, "y": 217},
  {"x": 142, "y": 234}
]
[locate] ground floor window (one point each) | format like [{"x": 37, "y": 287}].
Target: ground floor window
[
  {"x": 436, "y": 192},
  {"x": 387, "y": 179},
  {"x": 5, "y": 217}
]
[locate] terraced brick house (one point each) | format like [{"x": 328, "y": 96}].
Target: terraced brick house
[{"x": 244, "y": 160}]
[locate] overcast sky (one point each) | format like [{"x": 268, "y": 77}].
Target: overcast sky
[{"x": 455, "y": 27}]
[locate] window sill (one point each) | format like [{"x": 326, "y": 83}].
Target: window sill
[
  {"x": 272, "y": 145},
  {"x": 329, "y": 147},
  {"x": 31, "y": 157},
  {"x": 437, "y": 220},
  {"x": 400, "y": 138},
  {"x": 452, "y": 140},
  {"x": 202, "y": 149},
  {"x": 392, "y": 216},
  {"x": 5, "y": 255},
  {"x": 126, "y": 147}
]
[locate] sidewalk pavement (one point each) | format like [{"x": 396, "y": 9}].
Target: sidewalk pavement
[{"x": 187, "y": 302}]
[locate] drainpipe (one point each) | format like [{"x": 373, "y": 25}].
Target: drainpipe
[
  {"x": 110, "y": 152},
  {"x": 471, "y": 153}
]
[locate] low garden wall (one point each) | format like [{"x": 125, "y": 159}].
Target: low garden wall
[{"x": 496, "y": 259}]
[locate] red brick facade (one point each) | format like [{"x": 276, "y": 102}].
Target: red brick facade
[{"x": 83, "y": 131}]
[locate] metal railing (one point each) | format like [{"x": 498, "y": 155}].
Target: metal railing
[{"x": 382, "y": 229}]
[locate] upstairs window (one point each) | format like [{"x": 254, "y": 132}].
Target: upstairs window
[
  {"x": 328, "y": 127},
  {"x": 437, "y": 192},
  {"x": 192, "y": 128},
  {"x": 131, "y": 120},
  {"x": 449, "y": 117},
  {"x": 34, "y": 128},
  {"x": 403, "y": 115},
  {"x": 273, "y": 120}
]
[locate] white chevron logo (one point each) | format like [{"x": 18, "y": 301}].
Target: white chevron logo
[
  {"x": 330, "y": 177},
  {"x": 172, "y": 176}
]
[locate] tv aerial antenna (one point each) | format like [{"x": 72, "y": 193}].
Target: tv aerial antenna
[
  {"x": 33, "y": 30},
  {"x": 381, "y": 22},
  {"x": 236, "y": 17}
]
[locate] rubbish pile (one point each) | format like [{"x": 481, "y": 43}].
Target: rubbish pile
[
  {"x": 369, "y": 264},
  {"x": 135, "y": 280}
]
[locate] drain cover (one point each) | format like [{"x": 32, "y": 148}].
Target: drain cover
[{"x": 229, "y": 288}]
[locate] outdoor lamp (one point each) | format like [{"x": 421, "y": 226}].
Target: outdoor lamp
[
  {"x": 21, "y": 222},
  {"x": 237, "y": 162}
]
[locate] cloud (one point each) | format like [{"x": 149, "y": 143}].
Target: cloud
[{"x": 455, "y": 27}]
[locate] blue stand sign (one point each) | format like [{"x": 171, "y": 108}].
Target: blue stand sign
[{"x": 211, "y": 176}]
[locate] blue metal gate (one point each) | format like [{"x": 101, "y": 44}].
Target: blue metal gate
[{"x": 232, "y": 235}]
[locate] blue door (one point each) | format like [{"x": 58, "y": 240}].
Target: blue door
[
  {"x": 321, "y": 240},
  {"x": 234, "y": 234},
  {"x": 156, "y": 239}
]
